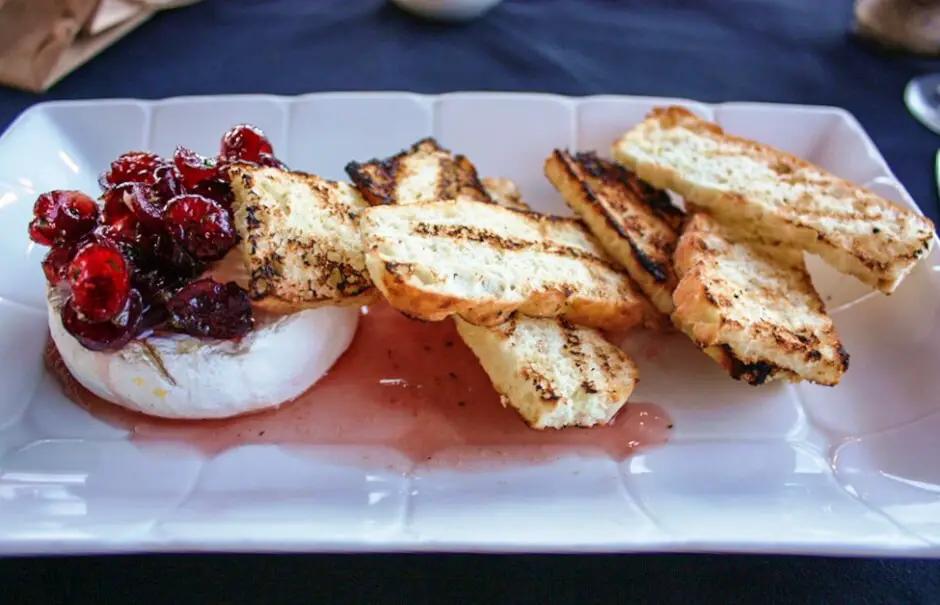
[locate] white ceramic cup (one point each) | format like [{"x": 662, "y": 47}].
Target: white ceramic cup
[{"x": 447, "y": 10}]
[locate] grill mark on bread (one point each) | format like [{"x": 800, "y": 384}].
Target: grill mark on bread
[
  {"x": 636, "y": 224},
  {"x": 655, "y": 199},
  {"x": 612, "y": 175},
  {"x": 379, "y": 179},
  {"x": 543, "y": 386},
  {"x": 482, "y": 236},
  {"x": 573, "y": 348},
  {"x": 754, "y": 373},
  {"x": 298, "y": 260}
]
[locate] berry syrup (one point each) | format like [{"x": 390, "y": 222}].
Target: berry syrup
[{"x": 411, "y": 386}]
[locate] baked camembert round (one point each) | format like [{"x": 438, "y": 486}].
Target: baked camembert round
[{"x": 147, "y": 298}]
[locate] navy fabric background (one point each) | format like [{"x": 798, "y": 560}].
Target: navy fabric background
[{"x": 794, "y": 51}]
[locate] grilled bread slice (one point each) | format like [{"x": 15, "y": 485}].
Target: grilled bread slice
[
  {"x": 635, "y": 223},
  {"x": 483, "y": 262},
  {"x": 554, "y": 374},
  {"x": 755, "y": 189},
  {"x": 753, "y": 308},
  {"x": 425, "y": 172},
  {"x": 300, "y": 238}
]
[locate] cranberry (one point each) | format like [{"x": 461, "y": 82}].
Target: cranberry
[
  {"x": 211, "y": 309},
  {"x": 62, "y": 218},
  {"x": 201, "y": 225},
  {"x": 115, "y": 208},
  {"x": 245, "y": 142},
  {"x": 56, "y": 263},
  {"x": 217, "y": 190},
  {"x": 168, "y": 183},
  {"x": 122, "y": 231},
  {"x": 268, "y": 159},
  {"x": 134, "y": 167},
  {"x": 100, "y": 336},
  {"x": 193, "y": 167},
  {"x": 100, "y": 279},
  {"x": 137, "y": 199}
]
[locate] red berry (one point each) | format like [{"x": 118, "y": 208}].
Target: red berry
[
  {"x": 193, "y": 167},
  {"x": 101, "y": 336},
  {"x": 143, "y": 201},
  {"x": 168, "y": 183},
  {"x": 268, "y": 159},
  {"x": 121, "y": 231},
  {"x": 56, "y": 264},
  {"x": 115, "y": 208},
  {"x": 217, "y": 190},
  {"x": 245, "y": 142},
  {"x": 201, "y": 226},
  {"x": 61, "y": 218},
  {"x": 100, "y": 279},
  {"x": 210, "y": 309},
  {"x": 134, "y": 167}
]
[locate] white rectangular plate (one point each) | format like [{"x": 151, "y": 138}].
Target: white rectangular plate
[{"x": 845, "y": 470}]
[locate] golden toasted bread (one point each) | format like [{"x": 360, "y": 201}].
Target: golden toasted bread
[
  {"x": 483, "y": 262},
  {"x": 636, "y": 223},
  {"x": 425, "y": 172},
  {"x": 753, "y": 308},
  {"x": 554, "y": 374},
  {"x": 757, "y": 191},
  {"x": 505, "y": 193},
  {"x": 300, "y": 239}
]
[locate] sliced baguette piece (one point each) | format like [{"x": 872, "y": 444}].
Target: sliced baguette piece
[
  {"x": 483, "y": 262},
  {"x": 554, "y": 374},
  {"x": 753, "y": 308},
  {"x": 758, "y": 191},
  {"x": 634, "y": 222},
  {"x": 422, "y": 173},
  {"x": 300, "y": 238}
]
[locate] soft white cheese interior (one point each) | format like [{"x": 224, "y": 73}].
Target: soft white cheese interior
[{"x": 178, "y": 376}]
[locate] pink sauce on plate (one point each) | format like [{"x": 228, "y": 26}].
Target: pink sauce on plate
[{"x": 411, "y": 386}]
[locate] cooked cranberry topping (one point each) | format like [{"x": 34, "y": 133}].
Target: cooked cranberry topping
[
  {"x": 246, "y": 143},
  {"x": 134, "y": 167},
  {"x": 215, "y": 189},
  {"x": 193, "y": 167},
  {"x": 202, "y": 226},
  {"x": 211, "y": 309},
  {"x": 131, "y": 262},
  {"x": 104, "y": 335},
  {"x": 267, "y": 159},
  {"x": 100, "y": 279},
  {"x": 61, "y": 218},
  {"x": 168, "y": 183},
  {"x": 55, "y": 264}
]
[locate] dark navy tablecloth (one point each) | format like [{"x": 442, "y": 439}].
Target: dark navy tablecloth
[{"x": 794, "y": 51}]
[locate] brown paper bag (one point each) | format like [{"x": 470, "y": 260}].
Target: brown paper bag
[
  {"x": 42, "y": 41},
  {"x": 910, "y": 26}
]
